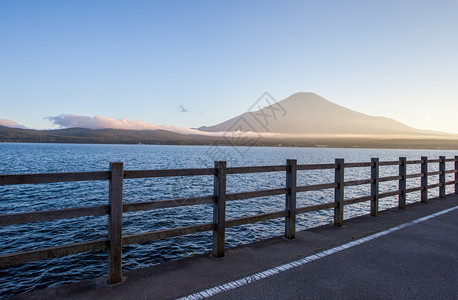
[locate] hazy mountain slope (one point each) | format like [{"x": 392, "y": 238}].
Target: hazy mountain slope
[
  {"x": 83, "y": 135},
  {"x": 119, "y": 136},
  {"x": 308, "y": 113}
]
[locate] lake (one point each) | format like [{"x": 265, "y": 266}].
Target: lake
[{"x": 39, "y": 158}]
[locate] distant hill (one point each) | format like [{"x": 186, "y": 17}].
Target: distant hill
[
  {"x": 99, "y": 136},
  {"x": 162, "y": 137},
  {"x": 308, "y": 114}
]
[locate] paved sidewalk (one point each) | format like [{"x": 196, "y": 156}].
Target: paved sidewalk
[{"x": 419, "y": 261}]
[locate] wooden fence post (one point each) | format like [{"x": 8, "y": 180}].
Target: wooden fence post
[
  {"x": 290, "y": 204},
  {"x": 402, "y": 182},
  {"x": 424, "y": 179},
  {"x": 374, "y": 186},
  {"x": 456, "y": 174},
  {"x": 442, "y": 176},
  {"x": 219, "y": 209},
  {"x": 115, "y": 223},
  {"x": 339, "y": 192}
]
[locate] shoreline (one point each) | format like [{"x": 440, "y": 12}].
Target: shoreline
[{"x": 422, "y": 144}]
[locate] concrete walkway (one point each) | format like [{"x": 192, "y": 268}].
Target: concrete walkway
[{"x": 411, "y": 261}]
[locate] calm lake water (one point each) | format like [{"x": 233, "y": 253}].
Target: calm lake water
[{"x": 38, "y": 158}]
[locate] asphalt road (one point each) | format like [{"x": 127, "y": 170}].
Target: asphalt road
[{"x": 417, "y": 262}]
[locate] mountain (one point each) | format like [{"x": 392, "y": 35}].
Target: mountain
[{"x": 307, "y": 114}]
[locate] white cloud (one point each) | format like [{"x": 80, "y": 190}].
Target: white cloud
[
  {"x": 11, "y": 124},
  {"x": 101, "y": 122}
]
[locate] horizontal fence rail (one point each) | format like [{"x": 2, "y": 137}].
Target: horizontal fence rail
[{"x": 116, "y": 207}]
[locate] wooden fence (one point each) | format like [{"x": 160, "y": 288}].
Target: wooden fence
[{"x": 115, "y": 208}]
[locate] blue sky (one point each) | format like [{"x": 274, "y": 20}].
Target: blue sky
[{"x": 142, "y": 60}]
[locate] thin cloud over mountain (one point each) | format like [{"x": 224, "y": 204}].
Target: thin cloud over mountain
[
  {"x": 11, "y": 124},
  {"x": 101, "y": 122}
]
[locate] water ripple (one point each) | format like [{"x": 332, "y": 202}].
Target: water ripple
[{"x": 34, "y": 158}]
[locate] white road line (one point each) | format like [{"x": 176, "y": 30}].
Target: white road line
[{"x": 275, "y": 270}]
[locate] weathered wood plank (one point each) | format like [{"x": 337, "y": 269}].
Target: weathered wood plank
[
  {"x": 57, "y": 214},
  {"x": 257, "y": 218},
  {"x": 357, "y": 200},
  {"x": 115, "y": 223},
  {"x": 434, "y": 161},
  {"x": 389, "y": 194},
  {"x": 450, "y": 160},
  {"x": 166, "y": 233},
  {"x": 130, "y": 174},
  {"x": 260, "y": 169},
  {"x": 449, "y": 172},
  {"x": 436, "y": 185},
  {"x": 357, "y": 165},
  {"x": 413, "y": 162},
  {"x": 450, "y": 182},
  {"x": 305, "y": 209},
  {"x": 316, "y": 187},
  {"x": 375, "y": 177},
  {"x": 414, "y": 175},
  {"x": 157, "y": 204},
  {"x": 52, "y": 177},
  {"x": 402, "y": 184},
  {"x": 357, "y": 182},
  {"x": 290, "y": 201},
  {"x": 389, "y": 163},
  {"x": 424, "y": 179},
  {"x": 414, "y": 189},
  {"x": 339, "y": 192},
  {"x": 389, "y": 178},
  {"x": 51, "y": 252},
  {"x": 256, "y": 194},
  {"x": 456, "y": 174},
  {"x": 442, "y": 176},
  {"x": 434, "y": 173},
  {"x": 219, "y": 209},
  {"x": 316, "y": 167}
]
